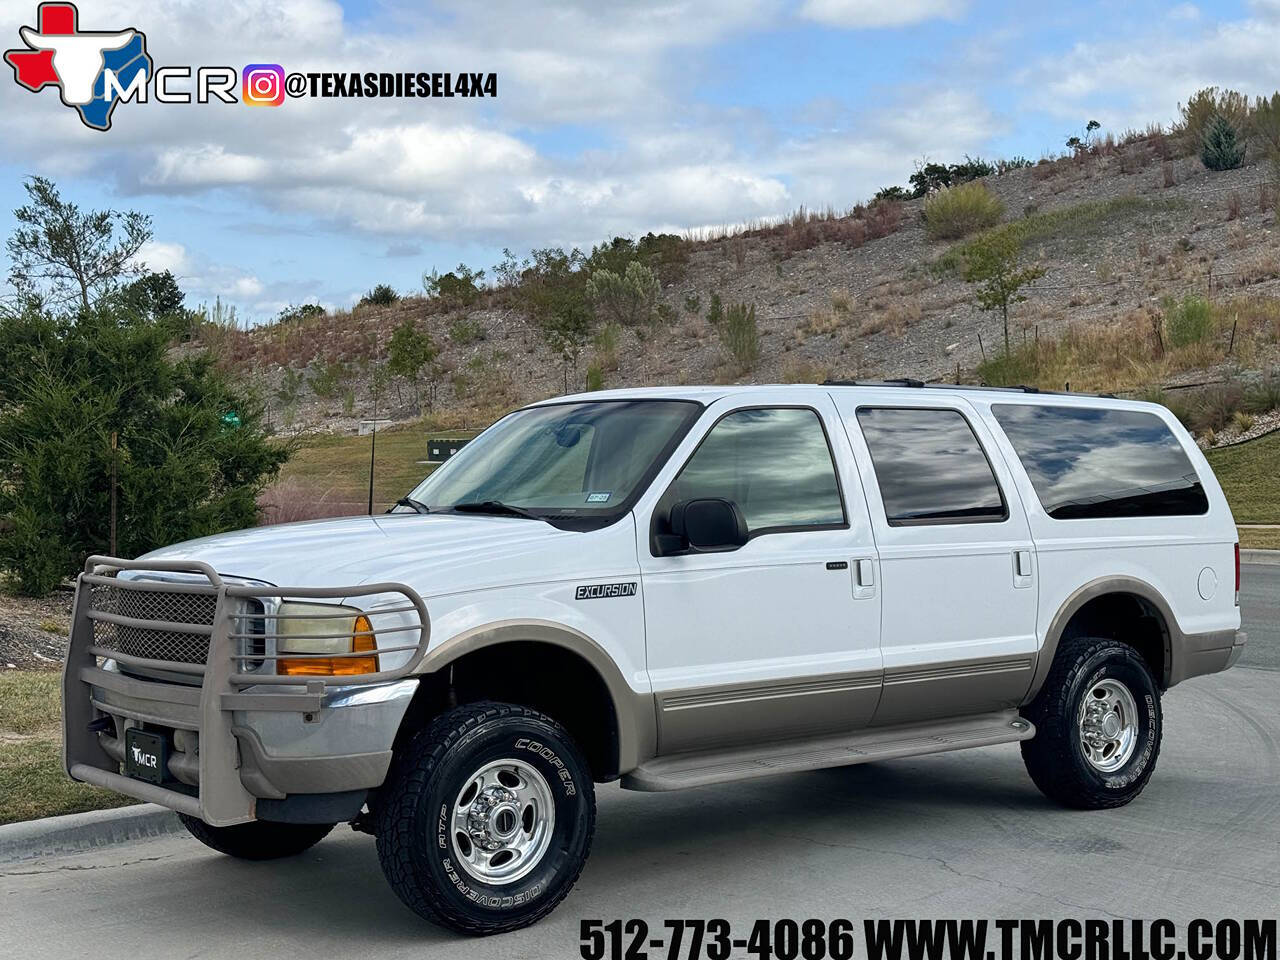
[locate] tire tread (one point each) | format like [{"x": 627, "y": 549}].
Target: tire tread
[
  {"x": 397, "y": 803},
  {"x": 1049, "y": 756}
]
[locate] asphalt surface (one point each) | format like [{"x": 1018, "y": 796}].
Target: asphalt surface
[
  {"x": 1260, "y": 614},
  {"x": 954, "y": 835}
]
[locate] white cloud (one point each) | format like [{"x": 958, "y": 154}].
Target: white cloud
[
  {"x": 430, "y": 174},
  {"x": 866, "y": 14},
  {"x": 159, "y": 257},
  {"x": 1131, "y": 80}
]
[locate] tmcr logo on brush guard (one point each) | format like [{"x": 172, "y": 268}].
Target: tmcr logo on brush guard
[{"x": 90, "y": 68}]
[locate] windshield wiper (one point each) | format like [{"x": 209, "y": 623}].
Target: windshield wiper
[
  {"x": 417, "y": 505},
  {"x": 497, "y": 508}
]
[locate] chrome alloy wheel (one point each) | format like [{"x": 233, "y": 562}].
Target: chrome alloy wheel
[
  {"x": 1108, "y": 725},
  {"x": 502, "y": 821}
]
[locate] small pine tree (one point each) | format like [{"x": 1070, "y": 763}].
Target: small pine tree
[{"x": 1223, "y": 148}]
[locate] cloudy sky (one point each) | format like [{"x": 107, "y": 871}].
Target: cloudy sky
[{"x": 611, "y": 118}]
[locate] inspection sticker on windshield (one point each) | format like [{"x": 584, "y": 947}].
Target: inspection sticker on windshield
[{"x": 600, "y": 497}]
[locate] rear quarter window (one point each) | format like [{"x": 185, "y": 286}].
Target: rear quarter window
[{"x": 1093, "y": 462}]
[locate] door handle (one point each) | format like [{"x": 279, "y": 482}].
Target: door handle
[
  {"x": 1023, "y": 569},
  {"x": 864, "y": 578}
]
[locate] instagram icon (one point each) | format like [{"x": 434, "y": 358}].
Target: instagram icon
[{"x": 263, "y": 85}]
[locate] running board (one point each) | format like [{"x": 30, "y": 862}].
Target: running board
[{"x": 885, "y": 743}]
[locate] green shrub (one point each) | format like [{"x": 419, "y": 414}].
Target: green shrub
[
  {"x": 466, "y": 330},
  {"x": 458, "y": 287},
  {"x": 1187, "y": 321},
  {"x": 605, "y": 343},
  {"x": 595, "y": 377},
  {"x": 1223, "y": 147},
  {"x": 292, "y": 314},
  {"x": 628, "y": 299},
  {"x": 329, "y": 379},
  {"x": 383, "y": 295},
  {"x": 715, "y": 311},
  {"x": 891, "y": 193},
  {"x": 740, "y": 335},
  {"x": 1018, "y": 367},
  {"x": 1213, "y": 408},
  {"x": 1264, "y": 396},
  {"x": 1175, "y": 402},
  {"x": 955, "y": 212}
]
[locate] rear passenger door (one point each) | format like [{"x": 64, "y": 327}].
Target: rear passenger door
[
  {"x": 957, "y": 565},
  {"x": 772, "y": 639}
]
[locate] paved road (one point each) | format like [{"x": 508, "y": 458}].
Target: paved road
[
  {"x": 1260, "y": 614},
  {"x": 955, "y": 835}
]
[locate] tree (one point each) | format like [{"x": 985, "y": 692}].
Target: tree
[
  {"x": 63, "y": 255},
  {"x": 1223, "y": 148},
  {"x": 409, "y": 352},
  {"x": 156, "y": 295},
  {"x": 566, "y": 327},
  {"x": 184, "y": 468},
  {"x": 991, "y": 260}
]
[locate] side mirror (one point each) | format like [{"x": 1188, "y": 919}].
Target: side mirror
[{"x": 709, "y": 524}]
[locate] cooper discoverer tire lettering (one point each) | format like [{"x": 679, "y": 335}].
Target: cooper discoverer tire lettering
[
  {"x": 486, "y": 818},
  {"x": 1098, "y": 725}
]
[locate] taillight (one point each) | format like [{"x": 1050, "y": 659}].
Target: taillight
[{"x": 1237, "y": 574}]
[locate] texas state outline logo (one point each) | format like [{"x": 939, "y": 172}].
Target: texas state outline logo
[{"x": 92, "y": 69}]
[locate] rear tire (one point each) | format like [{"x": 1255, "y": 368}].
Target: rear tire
[
  {"x": 486, "y": 819},
  {"x": 257, "y": 839},
  {"x": 1098, "y": 725}
]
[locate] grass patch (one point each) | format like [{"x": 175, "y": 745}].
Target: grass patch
[
  {"x": 1250, "y": 477},
  {"x": 955, "y": 212},
  {"x": 32, "y": 782},
  {"x": 1255, "y": 539},
  {"x": 333, "y": 471},
  {"x": 1078, "y": 222},
  {"x": 1127, "y": 355}
]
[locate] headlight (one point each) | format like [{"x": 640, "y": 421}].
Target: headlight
[{"x": 322, "y": 628}]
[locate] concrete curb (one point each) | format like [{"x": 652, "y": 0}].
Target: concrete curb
[
  {"x": 82, "y": 832},
  {"x": 1269, "y": 558}
]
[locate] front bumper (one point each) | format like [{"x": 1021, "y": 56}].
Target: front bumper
[
  {"x": 343, "y": 745},
  {"x": 241, "y": 740}
]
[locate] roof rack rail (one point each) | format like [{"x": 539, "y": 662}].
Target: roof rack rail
[{"x": 912, "y": 383}]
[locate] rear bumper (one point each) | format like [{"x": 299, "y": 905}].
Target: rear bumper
[
  {"x": 1196, "y": 654},
  {"x": 1237, "y": 648}
]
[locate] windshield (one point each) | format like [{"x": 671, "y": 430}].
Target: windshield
[{"x": 568, "y": 462}]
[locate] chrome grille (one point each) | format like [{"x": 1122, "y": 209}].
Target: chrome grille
[{"x": 152, "y": 604}]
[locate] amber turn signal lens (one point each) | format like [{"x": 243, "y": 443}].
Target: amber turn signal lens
[{"x": 362, "y": 640}]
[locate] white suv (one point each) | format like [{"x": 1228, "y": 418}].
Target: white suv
[{"x": 671, "y": 587}]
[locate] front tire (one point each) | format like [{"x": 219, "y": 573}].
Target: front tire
[
  {"x": 486, "y": 819},
  {"x": 257, "y": 839},
  {"x": 1098, "y": 725}
]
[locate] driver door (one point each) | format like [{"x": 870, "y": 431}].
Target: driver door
[{"x": 774, "y": 638}]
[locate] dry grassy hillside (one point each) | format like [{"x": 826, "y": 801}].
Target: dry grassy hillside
[{"x": 1118, "y": 229}]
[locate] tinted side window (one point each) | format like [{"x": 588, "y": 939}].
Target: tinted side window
[
  {"x": 775, "y": 464},
  {"x": 930, "y": 467},
  {"x": 1087, "y": 463}
]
